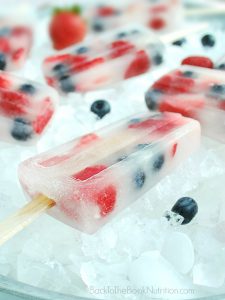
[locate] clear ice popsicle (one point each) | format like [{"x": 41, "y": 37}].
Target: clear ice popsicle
[
  {"x": 195, "y": 92},
  {"x": 94, "y": 177},
  {"x": 161, "y": 15},
  {"x": 104, "y": 60},
  {"x": 15, "y": 45},
  {"x": 26, "y": 108}
]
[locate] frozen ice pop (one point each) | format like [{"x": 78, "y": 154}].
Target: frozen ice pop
[
  {"x": 26, "y": 108},
  {"x": 15, "y": 45},
  {"x": 91, "y": 179},
  {"x": 157, "y": 15},
  {"x": 104, "y": 60},
  {"x": 195, "y": 92}
]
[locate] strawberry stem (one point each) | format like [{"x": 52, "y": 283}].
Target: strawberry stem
[{"x": 75, "y": 9}]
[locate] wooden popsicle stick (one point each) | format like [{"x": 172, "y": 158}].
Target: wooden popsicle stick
[
  {"x": 176, "y": 35},
  {"x": 23, "y": 217}
]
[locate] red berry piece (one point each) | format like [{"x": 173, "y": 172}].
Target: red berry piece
[
  {"x": 198, "y": 61},
  {"x": 161, "y": 125},
  {"x": 120, "y": 48},
  {"x": 81, "y": 63},
  {"x": 4, "y": 45},
  {"x": 4, "y": 82},
  {"x": 58, "y": 58},
  {"x": 185, "y": 106},
  {"x": 13, "y": 103},
  {"x": 21, "y": 30},
  {"x": 103, "y": 196},
  {"x": 44, "y": 116},
  {"x": 106, "y": 11},
  {"x": 18, "y": 53},
  {"x": 157, "y": 24},
  {"x": 160, "y": 8},
  {"x": 86, "y": 140},
  {"x": 222, "y": 105},
  {"x": 67, "y": 27},
  {"x": 174, "y": 83},
  {"x": 174, "y": 149},
  {"x": 139, "y": 65}
]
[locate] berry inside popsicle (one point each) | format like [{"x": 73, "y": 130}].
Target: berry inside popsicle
[
  {"x": 194, "y": 92},
  {"x": 26, "y": 108}
]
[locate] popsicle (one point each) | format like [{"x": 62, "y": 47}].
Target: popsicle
[
  {"x": 91, "y": 179},
  {"x": 195, "y": 92},
  {"x": 15, "y": 45},
  {"x": 104, "y": 60},
  {"x": 157, "y": 15},
  {"x": 107, "y": 59},
  {"x": 26, "y": 108}
]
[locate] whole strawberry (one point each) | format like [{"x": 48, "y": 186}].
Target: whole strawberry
[{"x": 67, "y": 27}]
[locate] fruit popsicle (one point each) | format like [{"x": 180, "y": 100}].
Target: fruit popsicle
[
  {"x": 104, "y": 60},
  {"x": 26, "y": 108},
  {"x": 15, "y": 45},
  {"x": 158, "y": 15},
  {"x": 94, "y": 177},
  {"x": 195, "y": 92}
]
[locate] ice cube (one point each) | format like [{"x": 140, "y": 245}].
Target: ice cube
[{"x": 179, "y": 251}]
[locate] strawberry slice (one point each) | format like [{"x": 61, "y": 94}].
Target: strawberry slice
[
  {"x": 106, "y": 11},
  {"x": 157, "y": 24},
  {"x": 198, "y": 61},
  {"x": 185, "y": 105},
  {"x": 81, "y": 63},
  {"x": 87, "y": 139},
  {"x": 13, "y": 103},
  {"x": 4, "y": 82},
  {"x": 173, "y": 84},
  {"x": 18, "y": 53},
  {"x": 44, "y": 117},
  {"x": 4, "y": 45},
  {"x": 222, "y": 105},
  {"x": 161, "y": 125},
  {"x": 58, "y": 58},
  {"x": 103, "y": 195},
  {"x": 120, "y": 48},
  {"x": 139, "y": 65}
]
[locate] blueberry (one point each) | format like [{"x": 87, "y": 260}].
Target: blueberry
[
  {"x": 139, "y": 178},
  {"x": 66, "y": 84},
  {"x": 4, "y": 31},
  {"x": 134, "y": 121},
  {"x": 121, "y": 35},
  {"x": 2, "y": 61},
  {"x": 189, "y": 74},
  {"x": 22, "y": 130},
  {"x": 60, "y": 70},
  {"x": 97, "y": 26},
  {"x": 121, "y": 158},
  {"x": 27, "y": 88},
  {"x": 100, "y": 108},
  {"x": 180, "y": 42},
  {"x": 187, "y": 208},
  {"x": 158, "y": 162},
  {"x": 221, "y": 66},
  {"x": 82, "y": 49},
  {"x": 157, "y": 59},
  {"x": 152, "y": 97},
  {"x": 217, "y": 91},
  {"x": 141, "y": 146},
  {"x": 208, "y": 40},
  {"x": 135, "y": 31}
]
